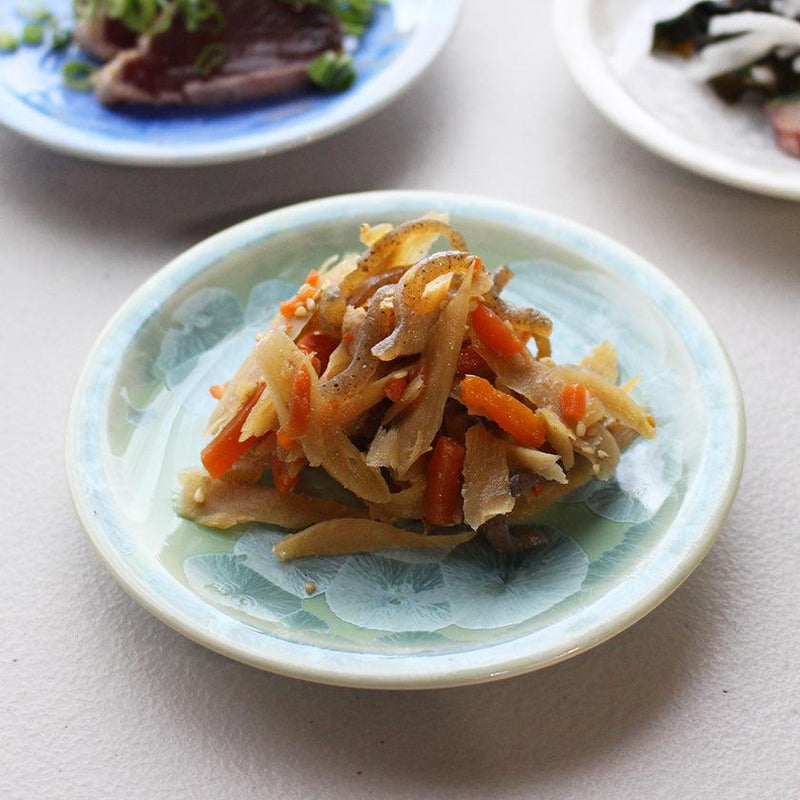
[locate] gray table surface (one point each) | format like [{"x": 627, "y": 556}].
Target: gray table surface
[{"x": 98, "y": 699}]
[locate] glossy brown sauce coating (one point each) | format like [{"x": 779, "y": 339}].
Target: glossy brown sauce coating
[
  {"x": 268, "y": 34},
  {"x": 118, "y": 35}
]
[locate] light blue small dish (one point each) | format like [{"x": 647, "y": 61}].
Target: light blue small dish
[
  {"x": 402, "y": 619},
  {"x": 403, "y": 40}
]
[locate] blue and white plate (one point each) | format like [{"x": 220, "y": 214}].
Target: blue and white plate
[
  {"x": 401, "y": 43},
  {"x": 402, "y": 618}
]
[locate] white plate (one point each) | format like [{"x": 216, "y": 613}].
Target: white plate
[
  {"x": 401, "y": 43},
  {"x": 605, "y": 44}
]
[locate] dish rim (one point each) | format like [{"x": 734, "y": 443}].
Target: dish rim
[
  {"x": 592, "y": 73},
  {"x": 403, "y": 671},
  {"x": 398, "y": 77}
]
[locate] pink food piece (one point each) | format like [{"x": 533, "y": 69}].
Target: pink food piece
[{"x": 784, "y": 116}]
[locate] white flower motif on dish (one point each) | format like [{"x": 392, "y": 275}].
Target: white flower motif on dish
[
  {"x": 645, "y": 478},
  {"x": 255, "y": 548},
  {"x": 551, "y": 287},
  {"x": 618, "y": 562},
  {"x": 201, "y": 321},
  {"x": 487, "y": 589},
  {"x": 423, "y": 555},
  {"x": 264, "y": 299},
  {"x": 223, "y": 579},
  {"x": 386, "y": 594}
]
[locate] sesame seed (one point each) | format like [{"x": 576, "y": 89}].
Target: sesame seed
[
  {"x": 580, "y": 428},
  {"x": 400, "y": 373},
  {"x": 199, "y": 496},
  {"x": 602, "y": 454},
  {"x": 300, "y": 312},
  {"x": 311, "y": 304},
  {"x": 763, "y": 74}
]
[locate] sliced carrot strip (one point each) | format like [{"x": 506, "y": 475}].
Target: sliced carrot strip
[
  {"x": 443, "y": 481},
  {"x": 284, "y": 477},
  {"x": 299, "y": 410},
  {"x": 225, "y": 449},
  {"x": 300, "y": 404},
  {"x": 285, "y": 440},
  {"x": 395, "y": 388},
  {"x": 573, "y": 403},
  {"x": 513, "y": 416},
  {"x": 469, "y": 360},
  {"x": 493, "y": 332},
  {"x": 288, "y": 307},
  {"x": 320, "y": 345},
  {"x": 313, "y": 278},
  {"x": 304, "y": 292},
  {"x": 217, "y": 390}
]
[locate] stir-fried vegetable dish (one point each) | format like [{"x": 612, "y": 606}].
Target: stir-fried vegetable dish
[{"x": 404, "y": 374}]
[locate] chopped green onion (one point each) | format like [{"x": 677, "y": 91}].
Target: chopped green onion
[
  {"x": 61, "y": 39},
  {"x": 202, "y": 15},
  {"x": 77, "y": 75},
  {"x": 333, "y": 72},
  {"x": 211, "y": 58},
  {"x": 354, "y": 15},
  {"x": 8, "y": 42},
  {"x": 33, "y": 11},
  {"x": 156, "y": 16},
  {"x": 32, "y": 34}
]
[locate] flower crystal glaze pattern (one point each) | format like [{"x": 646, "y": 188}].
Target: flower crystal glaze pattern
[{"x": 614, "y": 549}]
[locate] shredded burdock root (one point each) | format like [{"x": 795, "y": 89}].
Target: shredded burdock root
[{"x": 403, "y": 374}]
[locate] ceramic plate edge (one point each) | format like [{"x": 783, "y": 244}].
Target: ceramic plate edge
[{"x": 174, "y": 618}]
